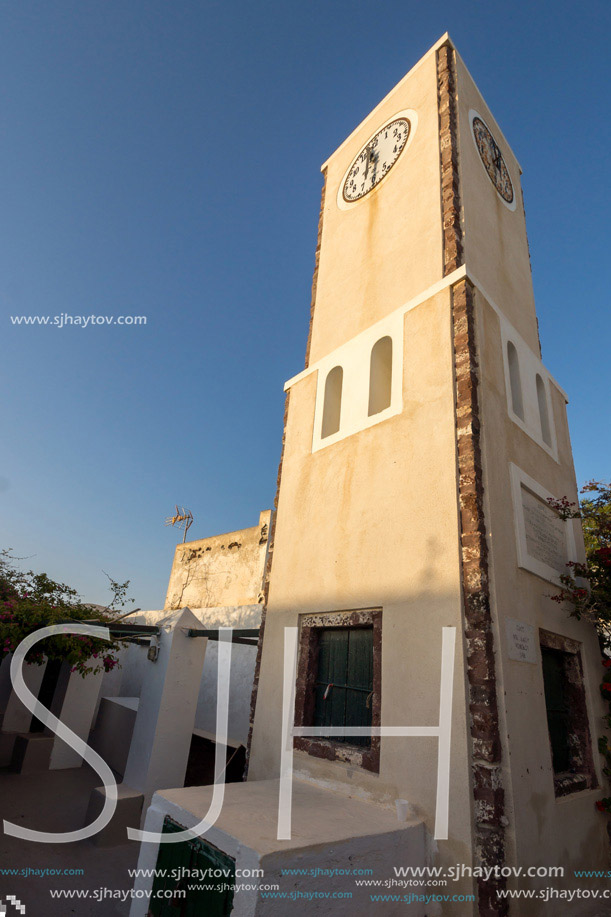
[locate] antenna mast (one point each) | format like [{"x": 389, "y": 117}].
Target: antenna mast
[{"x": 183, "y": 519}]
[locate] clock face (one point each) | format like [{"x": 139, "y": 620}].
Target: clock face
[
  {"x": 376, "y": 159},
  {"x": 493, "y": 160}
]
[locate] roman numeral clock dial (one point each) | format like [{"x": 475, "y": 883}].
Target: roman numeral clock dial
[{"x": 376, "y": 159}]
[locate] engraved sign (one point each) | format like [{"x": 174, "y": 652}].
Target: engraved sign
[
  {"x": 545, "y": 532},
  {"x": 521, "y": 641}
]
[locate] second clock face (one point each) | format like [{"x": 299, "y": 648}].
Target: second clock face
[
  {"x": 376, "y": 159},
  {"x": 493, "y": 161}
]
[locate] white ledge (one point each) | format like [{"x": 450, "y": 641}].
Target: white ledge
[{"x": 450, "y": 280}]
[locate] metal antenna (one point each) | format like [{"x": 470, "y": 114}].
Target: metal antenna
[{"x": 183, "y": 518}]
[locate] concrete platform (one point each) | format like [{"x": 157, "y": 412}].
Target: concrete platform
[{"x": 334, "y": 834}]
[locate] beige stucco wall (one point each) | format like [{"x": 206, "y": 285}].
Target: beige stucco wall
[
  {"x": 494, "y": 237},
  {"x": 386, "y": 248},
  {"x": 372, "y": 521},
  {"x": 546, "y": 831},
  {"x": 220, "y": 570}
]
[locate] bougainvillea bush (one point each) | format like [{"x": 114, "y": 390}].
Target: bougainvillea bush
[
  {"x": 587, "y": 587},
  {"x": 29, "y": 601}
]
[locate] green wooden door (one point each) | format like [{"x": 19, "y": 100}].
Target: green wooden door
[
  {"x": 214, "y": 900},
  {"x": 344, "y": 680}
]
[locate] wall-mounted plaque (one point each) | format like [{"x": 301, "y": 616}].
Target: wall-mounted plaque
[
  {"x": 545, "y": 532},
  {"x": 521, "y": 644}
]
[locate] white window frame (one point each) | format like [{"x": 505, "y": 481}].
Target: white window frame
[
  {"x": 520, "y": 480},
  {"x": 530, "y": 367},
  {"x": 355, "y": 359}
]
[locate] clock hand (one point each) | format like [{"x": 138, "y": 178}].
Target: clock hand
[
  {"x": 374, "y": 156},
  {"x": 371, "y": 158},
  {"x": 497, "y": 157}
]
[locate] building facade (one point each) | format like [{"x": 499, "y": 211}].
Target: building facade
[
  {"x": 422, "y": 442},
  {"x": 414, "y": 550}
]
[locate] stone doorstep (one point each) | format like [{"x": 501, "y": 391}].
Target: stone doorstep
[
  {"x": 25, "y": 751},
  {"x": 7, "y": 744},
  {"x": 127, "y": 815},
  {"x": 31, "y": 752}
]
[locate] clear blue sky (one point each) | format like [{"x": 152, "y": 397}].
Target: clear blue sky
[{"x": 162, "y": 159}]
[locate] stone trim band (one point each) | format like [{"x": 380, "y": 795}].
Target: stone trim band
[
  {"x": 266, "y": 581},
  {"x": 487, "y": 788},
  {"x": 316, "y": 265},
  {"x": 448, "y": 151},
  {"x": 272, "y": 531}
]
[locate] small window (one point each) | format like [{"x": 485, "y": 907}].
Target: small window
[
  {"x": 554, "y": 682},
  {"x": 567, "y": 718},
  {"x": 514, "y": 380},
  {"x": 380, "y": 376},
  {"x": 343, "y": 689},
  {"x": 332, "y": 407},
  {"x": 339, "y": 679},
  {"x": 543, "y": 414}
]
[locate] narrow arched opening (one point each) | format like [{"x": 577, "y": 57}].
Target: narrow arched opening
[
  {"x": 380, "y": 376},
  {"x": 332, "y": 407},
  {"x": 514, "y": 380},
  {"x": 543, "y": 412}
]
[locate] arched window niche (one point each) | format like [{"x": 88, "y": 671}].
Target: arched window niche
[
  {"x": 380, "y": 376},
  {"x": 515, "y": 381},
  {"x": 332, "y": 407},
  {"x": 543, "y": 412}
]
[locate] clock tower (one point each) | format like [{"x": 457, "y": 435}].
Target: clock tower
[{"x": 422, "y": 443}]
